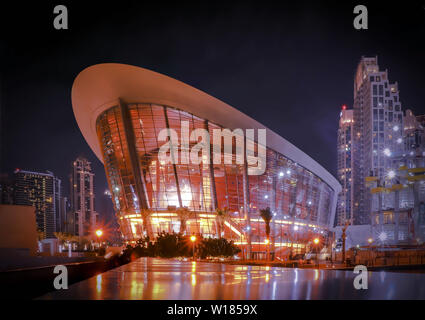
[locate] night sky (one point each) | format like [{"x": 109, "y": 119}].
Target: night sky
[{"x": 289, "y": 66}]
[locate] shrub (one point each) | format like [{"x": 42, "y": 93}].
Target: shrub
[
  {"x": 217, "y": 248},
  {"x": 170, "y": 245}
]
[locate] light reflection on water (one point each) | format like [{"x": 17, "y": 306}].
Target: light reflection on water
[
  {"x": 149, "y": 278},
  {"x": 99, "y": 284}
]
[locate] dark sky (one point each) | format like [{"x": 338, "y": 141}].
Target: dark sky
[{"x": 289, "y": 66}]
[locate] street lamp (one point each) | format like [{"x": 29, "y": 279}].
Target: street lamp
[
  {"x": 370, "y": 240},
  {"x": 316, "y": 242},
  {"x": 98, "y": 233},
  {"x": 193, "y": 239}
]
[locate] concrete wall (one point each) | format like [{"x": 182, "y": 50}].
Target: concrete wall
[{"x": 18, "y": 228}]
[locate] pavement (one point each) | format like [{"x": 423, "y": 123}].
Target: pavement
[{"x": 167, "y": 279}]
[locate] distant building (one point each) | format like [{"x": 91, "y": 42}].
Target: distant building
[
  {"x": 345, "y": 164},
  {"x": 83, "y": 217},
  {"x": 398, "y": 199},
  {"x": 421, "y": 120},
  {"x": 378, "y": 123},
  {"x": 7, "y": 189},
  {"x": 42, "y": 191},
  {"x": 62, "y": 217}
]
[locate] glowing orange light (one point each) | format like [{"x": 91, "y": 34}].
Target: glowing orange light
[
  {"x": 193, "y": 238},
  {"x": 99, "y": 232},
  {"x": 316, "y": 240},
  {"x": 370, "y": 240},
  {"x": 266, "y": 241}
]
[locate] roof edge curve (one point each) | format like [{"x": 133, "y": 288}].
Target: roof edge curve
[{"x": 98, "y": 87}]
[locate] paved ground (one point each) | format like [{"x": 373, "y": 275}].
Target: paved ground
[{"x": 149, "y": 278}]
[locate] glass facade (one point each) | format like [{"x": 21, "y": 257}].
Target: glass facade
[{"x": 300, "y": 201}]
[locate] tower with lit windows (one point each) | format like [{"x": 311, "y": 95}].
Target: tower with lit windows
[
  {"x": 378, "y": 124},
  {"x": 345, "y": 165},
  {"x": 42, "y": 191},
  {"x": 398, "y": 198},
  {"x": 83, "y": 218}
]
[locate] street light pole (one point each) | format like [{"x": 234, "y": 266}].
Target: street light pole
[
  {"x": 316, "y": 242},
  {"x": 99, "y": 234},
  {"x": 193, "y": 239},
  {"x": 370, "y": 240}
]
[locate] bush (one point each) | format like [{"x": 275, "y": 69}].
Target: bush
[
  {"x": 221, "y": 247},
  {"x": 101, "y": 251},
  {"x": 171, "y": 245}
]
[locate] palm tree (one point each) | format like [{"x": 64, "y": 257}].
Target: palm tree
[
  {"x": 40, "y": 235},
  {"x": 222, "y": 216},
  {"x": 61, "y": 236},
  {"x": 266, "y": 214},
  {"x": 184, "y": 214},
  {"x": 146, "y": 213}
]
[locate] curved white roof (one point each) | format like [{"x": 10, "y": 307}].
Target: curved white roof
[{"x": 99, "y": 87}]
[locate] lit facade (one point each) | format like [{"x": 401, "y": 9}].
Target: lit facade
[
  {"x": 42, "y": 191},
  {"x": 121, "y": 111},
  {"x": 83, "y": 218},
  {"x": 378, "y": 123},
  {"x": 7, "y": 190},
  {"x": 345, "y": 166},
  {"x": 398, "y": 199}
]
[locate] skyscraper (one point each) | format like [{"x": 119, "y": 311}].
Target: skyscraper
[
  {"x": 83, "y": 217},
  {"x": 398, "y": 199},
  {"x": 345, "y": 165},
  {"x": 42, "y": 191},
  {"x": 378, "y": 123},
  {"x": 7, "y": 189}
]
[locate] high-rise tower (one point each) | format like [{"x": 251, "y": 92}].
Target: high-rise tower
[
  {"x": 42, "y": 191},
  {"x": 345, "y": 165},
  {"x": 83, "y": 218},
  {"x": 378, "y": 123}
]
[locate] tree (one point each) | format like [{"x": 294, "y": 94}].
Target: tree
[
  {"x": 146, "y": 213},
  {"x": 266, "y": 214},
  {"x": 40, "y": 235},
  {"x": 222, "y": 216},
  {"x": 62, "y": 237},
  {"x": 85, "y": 243},
  {"x": 184, "y": 214}
]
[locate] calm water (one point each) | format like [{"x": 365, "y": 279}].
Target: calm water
[{"x": 150, "y": 278}]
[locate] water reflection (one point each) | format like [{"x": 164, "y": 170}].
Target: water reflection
[
  {"x": 136, "y": 287},
  {"x": 148, "y": 278},
  {"x": 99, "y": 284}
]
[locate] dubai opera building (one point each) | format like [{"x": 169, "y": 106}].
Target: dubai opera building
[{"x": 121, "y": 110}]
